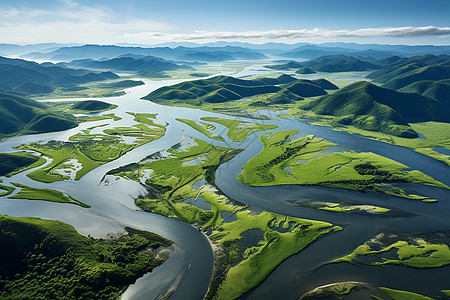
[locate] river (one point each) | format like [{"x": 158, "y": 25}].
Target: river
[{"x": 112, "y": 207}]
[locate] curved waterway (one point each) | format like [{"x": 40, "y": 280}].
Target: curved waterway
[{"x": 189, "y": 268}]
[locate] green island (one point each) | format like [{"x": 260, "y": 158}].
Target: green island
[
  {"x": 238, "y": 131},
  {"x": 415, "y": 250},
  {"x": 5, "y": 190},
  {"x": 45, "y": 259},
  {"x": 403, "y": 295},
  {"x": 82, "y": 107},
  {"x": 202, "y": 128},
  {"x": 84, "y": 151},
  {"x": 347, "y": 207},
  {"x": 30, "y": 193},
  {"x": 17, "y": 162},
  {"x": 359, "y": 290},
  {"x": 113, "y": 117},
  {"x": 301, "y": 161},
  {"x": 247, "y": 246}
]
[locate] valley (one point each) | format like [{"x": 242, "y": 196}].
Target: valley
[{"x": 262, "y": 178}]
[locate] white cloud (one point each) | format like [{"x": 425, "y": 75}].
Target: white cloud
[
  {"x": 294, "y": 34},
  {"x": 69, "y": 23}
]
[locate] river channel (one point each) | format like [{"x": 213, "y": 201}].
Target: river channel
[{"x": 190, "y": 266}]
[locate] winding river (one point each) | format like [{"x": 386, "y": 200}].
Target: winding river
[{"x": 189, "y": 268}]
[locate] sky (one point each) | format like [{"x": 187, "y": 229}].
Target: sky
[{"x": 281, "y": 21}]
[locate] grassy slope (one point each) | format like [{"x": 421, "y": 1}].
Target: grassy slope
[
  {"x": 356, "y": 171},
  {"x": 30, "y": 193},
  {"x": 43, "y": 259},
  {"x": 24, "y": 116},
  {"x": 13, "y": 163},
  {"x": 403, "y": 295},
  {"x": 170, "y": 183},
  {"x": 373, "y": 108},
  {"x": 238, "y": 131}
]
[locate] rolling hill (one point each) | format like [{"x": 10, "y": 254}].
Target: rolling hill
[
  {"x": 305, "y": 71},
  {"x": 433, "y": 72},
  {"x": 23, "y": 116},
  {"x": 395, "y": 66},
  {"x": 26, "y": 78},
  {"x": 99, "y": 52},
  {"x": 367, "y": 106},
  {"x": 149, "y": 66},
  {"x": 286, "y": 66},
  {"x": 338, "y": 63}
]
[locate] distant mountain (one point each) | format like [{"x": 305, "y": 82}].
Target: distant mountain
[
  {"x": 338, "y": 63},
  {"x": 24, "y": 116},
  {"x": 149, "y": 66},
  {"x": 285, "y": 66},
  {"x": 374, "y": 108},
  {"x": 26, "y": 78},
  {"x": 207, "y": 56},
  {"x": 98, "y": 52}
]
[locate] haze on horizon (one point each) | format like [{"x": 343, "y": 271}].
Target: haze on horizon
[{"x": 284, "y": 21}]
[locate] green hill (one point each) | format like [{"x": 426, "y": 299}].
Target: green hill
[
  {"x": 338, "y": 63},
  {"x": 91, "y": 105},
  {"x": 374, "y": 108},
  {"x": 286, "y": 66},
  {"x": 24, "y": 116},
  {"x": 300, "y": 89},
  {"x": 44, "y": 259},
  {"x": 305, "y": 71},
  {"x": 12, "y": 162},
  {"x": 439, "y": 90},
  {"x": 24, "y": 78},
  {"x": 433, "y": 72},
  {"x": 214, "y": 90}
]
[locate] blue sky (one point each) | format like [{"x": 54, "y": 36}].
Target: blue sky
[{"x": 151, "y": 22}]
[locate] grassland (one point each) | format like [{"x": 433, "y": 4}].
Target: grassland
[
  {"x": 44, "y": 259},
  {"x": 238, "y": 267},
  {"x": 415, "y": 250},
  {"x": 14, "y": 163},
  {"x": 30, "y": 193},
  {"x": 203, "y": 128},
  {"x": 348, "y": 170},
  {"x": 238, "y": 131},
  {"x": 6, "y": 190},
  {"x": 346, "y": 207},
  {"x": 85, "y": 151},
  {"x": 403, "y": 295}
]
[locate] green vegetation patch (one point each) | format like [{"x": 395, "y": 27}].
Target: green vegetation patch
[
  {"x": 347, "y": 207},
  {"x": 282, "y": 162},
  {"x": 5, "y": 190},
  {"x": 98, "y": 118},
  {"x": 416, "y": 250},
  {"x": 85, "y": 151},
  {"x": 239, "y": 130},
  {"x": 30, "y": 193},
  {"x": 44, "y": 259},
  {"x": 203, "y": 128},
  {"x": 14, "y": 163},
  {"x": 169, "y": 178},
  {"x": 403, "y": 295}
]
